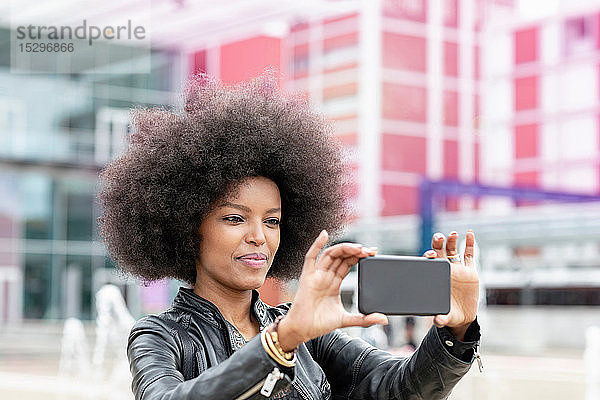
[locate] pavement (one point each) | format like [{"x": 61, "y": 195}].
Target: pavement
[{"x": 29, "y": 369}]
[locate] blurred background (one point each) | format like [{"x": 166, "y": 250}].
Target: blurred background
[{"x": 460, "y": 114}]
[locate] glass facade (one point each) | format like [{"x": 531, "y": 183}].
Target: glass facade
[{"x": 56, "y": 133}]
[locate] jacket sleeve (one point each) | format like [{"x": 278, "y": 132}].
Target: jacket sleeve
[
  {"x": 154, "y": 358},
  {"x": 357, "y": 370}
]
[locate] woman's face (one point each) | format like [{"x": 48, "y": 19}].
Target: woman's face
[{"x": 240, "y": 236}]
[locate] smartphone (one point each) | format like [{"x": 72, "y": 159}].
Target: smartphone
[{"x": 401, "y": 285}]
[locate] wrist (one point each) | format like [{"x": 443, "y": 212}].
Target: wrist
[
  {"x": 289, "y": 338},
  {"x": 459, "y": 331}
]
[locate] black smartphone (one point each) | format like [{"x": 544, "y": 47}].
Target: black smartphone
[{"x": 402, "y": 285}]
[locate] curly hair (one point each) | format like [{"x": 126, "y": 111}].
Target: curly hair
[{"x": 180, "y": 163}]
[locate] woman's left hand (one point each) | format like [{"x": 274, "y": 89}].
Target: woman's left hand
[{"x": 464, "y": 282}]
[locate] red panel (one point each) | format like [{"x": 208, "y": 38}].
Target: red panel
[
  {"x": 451, "y": 159},
  {"x": 415, "y": 10},
  {"x": 450, "y": 13},
  {"x": 450, "y": 108},
  {"x": 526, "y": 45},
  {"x": 349, "y": 39},
  {"x": 450, "y": 59},
  {"x": 399, "y": 200},
  {"x": 526, "y": 93},
  {"x": 198, "y": 60},
  {"x": 526, "y": 179},
  {"x": 242, "y": 60},
  {"x": 526, "y": 141},
  {"x": 404, "y": 52},
  {"x": 404, "y": 102},
  {"x": 404, "y": 153}
]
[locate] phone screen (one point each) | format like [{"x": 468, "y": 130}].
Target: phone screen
[{"x": 399, "y": 285}]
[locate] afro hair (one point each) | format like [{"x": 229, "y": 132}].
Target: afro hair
[{"x": 180, "y": 163}]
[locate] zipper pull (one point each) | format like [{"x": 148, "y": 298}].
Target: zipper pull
[
  {"x": 270, "y": 382},
  {"x": 478, "y": 358}
]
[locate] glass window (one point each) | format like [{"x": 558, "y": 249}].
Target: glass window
[
  {"x": 37, "y": 285},
  {"x": 36, "y": 204}
]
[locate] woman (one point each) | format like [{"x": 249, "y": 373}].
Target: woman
[{"x": 233, "y": 190}]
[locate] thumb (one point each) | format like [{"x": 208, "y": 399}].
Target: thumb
[
  {"x": 364, "y": 320},
  {"x": 313, "y": 252}
]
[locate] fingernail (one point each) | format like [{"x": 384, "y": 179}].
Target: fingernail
[
  {"x": 438, "y": 236},
  {"x": 453, "y": 233}
]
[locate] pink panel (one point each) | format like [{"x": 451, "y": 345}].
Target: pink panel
[
  {"x": 526, "y": 141},
  {"x": 450, "y": 13},
  {"x": 415, "y": 10},
  {"x": 242, "y": 60},
  {"x": 526, "y": 93},
  {"x": 349, "y": 139},
  {"x": 451, "y": 159},
  {"x": 404, "y": 52},
  {"x": 399, "y": 200},
  {"x": 404, "y": 153},
  {"x": 450, "y": 108},
  {"x": 450, "y": 59},
  {"x": 526, "y": 45},
  {"x": 198, "y": 60},
  {"x": 404, "y": 102},
  {"x": 477, "y": 66},
  {"x": 347, "y": 39}
]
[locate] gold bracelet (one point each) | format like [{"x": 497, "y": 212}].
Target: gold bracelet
[{"x": 266, "y": 341}]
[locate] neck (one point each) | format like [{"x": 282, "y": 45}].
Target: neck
[{"x": 234, "y": 305}]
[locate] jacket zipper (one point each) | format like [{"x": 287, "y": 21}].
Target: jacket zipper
[
  {"x": 265, "y": 386},
  {"x": 478, "y": 358}
]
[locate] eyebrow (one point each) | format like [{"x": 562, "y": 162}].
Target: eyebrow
[{"x": 246, "y": 209}]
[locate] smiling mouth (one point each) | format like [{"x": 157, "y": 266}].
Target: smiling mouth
[{"x": 253, "y": 262}]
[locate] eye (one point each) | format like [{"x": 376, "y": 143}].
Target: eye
[
  {"x": 273, "y": 221},
  {"x": 233, "y": 218}
]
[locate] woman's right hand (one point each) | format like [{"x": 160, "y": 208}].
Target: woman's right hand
[{"x": 317, "y": 307}]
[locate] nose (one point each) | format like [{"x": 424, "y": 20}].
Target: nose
[{"x": 255, "y": 234}]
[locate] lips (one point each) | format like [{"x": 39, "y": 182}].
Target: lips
[
  {"x": 253, "y": 256},
  {"x": 254, "y": 260}
]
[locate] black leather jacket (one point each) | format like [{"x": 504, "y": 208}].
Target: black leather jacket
[{"x": 333, "y": 366}]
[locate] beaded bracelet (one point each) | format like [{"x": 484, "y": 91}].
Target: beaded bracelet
[{"x": 270, "y": 341}]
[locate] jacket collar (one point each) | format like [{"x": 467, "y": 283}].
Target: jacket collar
[{"x": 188, "y": 300}]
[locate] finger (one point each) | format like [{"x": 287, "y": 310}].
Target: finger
[
  {"x": 469, "y": 248},
  {"x": 346, "y": 264},
  {"x": 311, "y": 255},
  {"x": 437, "y": 244},
  {"x": 343, "y": 250},
  {"x": 430, "y": 254},
  {"x": 363, "y": 320},
  {"x": 441, "y": 320},
  {"x": 329, "y": 258},
  {"x": 451, "y": 249}
]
